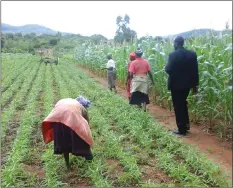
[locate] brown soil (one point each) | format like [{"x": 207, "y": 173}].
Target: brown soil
[
  {"x": 115, "y": 166},
  {"x": 11, "y": 132},
  {"x": 34, "y": 169},
  {"x": 32, "y": 163},
  {"x": 114, "y": 170},
  {"x": 72, "y": 179},
  {"x": 55, "y": 91},
  {"x": 218, "y": 151},
  {"x": 154, "y": 175}
]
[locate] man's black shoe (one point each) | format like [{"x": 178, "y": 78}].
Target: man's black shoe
[{"x": 179, "y": 133}]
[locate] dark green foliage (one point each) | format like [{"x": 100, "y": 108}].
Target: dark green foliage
[
  {"x": 2, "y": 41},
  {"x": 47, "y": 60},
  {"x": 124, "y": 33},
  {"x": 53, "y": 42}
]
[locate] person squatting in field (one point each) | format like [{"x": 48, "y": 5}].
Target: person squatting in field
[
  {"x": 182, "y": 68},
  {"x": 132, "y": 57},
  {"x": 111, "y": 73},
  {"x": 68, "y": 125},
  {"x": 139, "y": 69}
]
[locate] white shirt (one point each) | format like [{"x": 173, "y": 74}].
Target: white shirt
[{"x": 111, "y": 63}]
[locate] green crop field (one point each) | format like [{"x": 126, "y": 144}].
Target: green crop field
[
  {"x": 213, "y": 104},
  {"x": 131, "y": 148}
]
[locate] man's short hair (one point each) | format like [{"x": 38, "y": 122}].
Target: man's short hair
[{"x": 179, "y": 41}]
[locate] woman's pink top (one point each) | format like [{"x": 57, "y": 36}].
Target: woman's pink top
[{"x": 139, "y": 66}]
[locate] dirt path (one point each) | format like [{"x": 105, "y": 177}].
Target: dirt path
[{"x": 217, "y": 151}]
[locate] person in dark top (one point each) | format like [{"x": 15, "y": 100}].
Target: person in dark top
[{"x": 182, "y": 68}]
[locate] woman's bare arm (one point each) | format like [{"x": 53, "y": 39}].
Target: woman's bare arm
[
  {"x": 85, "y": 114},
  {"x": 151, "y": 77},
  {"x": 127, "y": 78}
]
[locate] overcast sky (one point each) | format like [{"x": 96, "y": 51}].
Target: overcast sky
[{"x": 155, "y": 18}]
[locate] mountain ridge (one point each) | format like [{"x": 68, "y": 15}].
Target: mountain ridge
[
  {"x": 195, "y": 32},
  {"x": 40, "y": 30},
  {"x": 29, "y": 28}
]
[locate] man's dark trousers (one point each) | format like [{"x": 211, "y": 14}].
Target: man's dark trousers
[{"x": 181, "y": 109}]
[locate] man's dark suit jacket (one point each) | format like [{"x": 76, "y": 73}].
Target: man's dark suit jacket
[{"x": 182, "y": 68}]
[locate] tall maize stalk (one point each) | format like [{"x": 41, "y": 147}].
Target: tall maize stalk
[{"x": 214, "y": 100}]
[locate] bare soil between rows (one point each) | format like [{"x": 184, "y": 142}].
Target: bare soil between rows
[
  {"x": 218, "y": 151},
  {"x": 11, "y": 133}
]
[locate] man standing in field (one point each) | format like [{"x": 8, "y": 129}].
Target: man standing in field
[{"x": 182, "y": 68}]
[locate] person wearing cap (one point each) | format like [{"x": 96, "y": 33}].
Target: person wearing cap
[
  {"x": 182, "y": 68},
  {"x": 68, "y": 125},
  {"x": 139, "y": 69},
  {"x": 132, "y": 57},
  {"x": 111, "y": 73}
]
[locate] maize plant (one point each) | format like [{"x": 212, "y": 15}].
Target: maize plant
[{"x": 213, "y": 103}]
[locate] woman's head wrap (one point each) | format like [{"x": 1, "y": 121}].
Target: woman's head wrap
[
  {"x": 132, "y": 56},
  {"x": 139, "y": 52},
  {"x": 83, "y": 101}
]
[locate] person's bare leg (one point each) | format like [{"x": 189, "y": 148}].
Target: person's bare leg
[
  {"x": 115, "y": 89},
  {"x": 66, "y": 156},
  {"x": 89, "y": 157},
  {"x": 144, "y": 106}
]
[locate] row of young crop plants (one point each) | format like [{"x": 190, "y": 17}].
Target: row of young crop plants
[
  {"x": 13, "y": 99},
  {"x": 121, "y": 133},
  {"x": 16, "y": 62},
  {"x": 156, "y": 140},
  {"x": 106, "y": 143},
  {"x": 10, "y": 75},
  {"x": 130, "y": 134},
  {"x": 133, "y": 133},
  {"x": 27, "y": 100},
  {"x": 215, "y": 73},
  {"x": 53, "y": 178},
  {"x": 15, "y": 79}
]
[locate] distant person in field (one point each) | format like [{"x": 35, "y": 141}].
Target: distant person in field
[
  {"x": 139, "y": 69},
  {"x": 111, "y": 73},
  {"x": 68, "y": 125},
  {"x": 182, "y": 68},
  {"x": 132, "y": 57}
]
